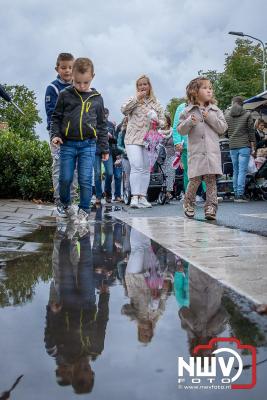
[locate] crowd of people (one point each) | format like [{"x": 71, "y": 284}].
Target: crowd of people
[{"x": 85, "y": 143}]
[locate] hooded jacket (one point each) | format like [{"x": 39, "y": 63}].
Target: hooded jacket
[
  {"x": 80, "y": 116},
  {"x": 240, "y": 127}
]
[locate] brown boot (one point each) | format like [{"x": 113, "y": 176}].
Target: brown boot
[{"x": 210, "y": 213}]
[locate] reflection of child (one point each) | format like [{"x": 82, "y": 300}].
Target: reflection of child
[
  {"x": 144, "y": 285},
  {"x": 76, "y": 325},
  {"x": 204, "y": 317},
  {"x": 181, "y": 283}
]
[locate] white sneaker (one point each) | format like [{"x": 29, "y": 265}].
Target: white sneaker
[
  {"x": 83, "y": 230},
  {"x": 181, "y": 197},
  {"x": 134, "y": 202},
  {"x": 82, "y": 217},
  {"x": 199, "y": 199},
  {"x": 68, "y": 211},
  {"x": 143, "y": 203},
  {"x": 61, "y": 211}
]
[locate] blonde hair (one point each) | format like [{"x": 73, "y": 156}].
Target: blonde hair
[
  {"x": 83, "y": 65},
  {"x": 151, "y": 93},
  {"x": 193, "y": 87}
]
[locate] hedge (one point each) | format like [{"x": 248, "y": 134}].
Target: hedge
[{"x": 25, "y": 168}]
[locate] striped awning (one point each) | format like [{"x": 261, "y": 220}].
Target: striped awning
[{"x": 257, "y": 102}]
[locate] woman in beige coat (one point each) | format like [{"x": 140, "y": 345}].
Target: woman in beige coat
[
  {"x": 136, "y": 109},
  {"x": 203, "y": 121}
]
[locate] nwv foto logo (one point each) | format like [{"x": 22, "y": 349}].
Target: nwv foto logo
[{"x": 223, "y": 365}]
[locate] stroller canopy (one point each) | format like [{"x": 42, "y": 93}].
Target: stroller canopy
[{"x": 258, "y": 102}]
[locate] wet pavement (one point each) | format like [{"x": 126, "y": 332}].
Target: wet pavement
[{"x": 105, "y": 312}]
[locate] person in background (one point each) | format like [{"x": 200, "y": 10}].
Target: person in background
[
  {"x": 242, "y": 144},
  {"x": 116, "y": 153},
  {"x": 260, "y": 134},
  {"x": 126, "y": 168},
  {"x": 181, "y": 144},
  {"x": 64, "y": 65},
  {"x": 108, "y": 165},
  {"x": 136, "y": 109},
  {"x": 167, "y": 142}
]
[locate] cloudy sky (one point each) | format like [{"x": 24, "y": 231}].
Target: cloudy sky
[{"x": 169, "y": 40}]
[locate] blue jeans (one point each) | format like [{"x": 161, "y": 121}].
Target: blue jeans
[
  {"x": 240, "y": 159},
  {"x": 117, "y": 178},
  {"x": 81, "y": 152},
  {"x": 108, "y": 176}
]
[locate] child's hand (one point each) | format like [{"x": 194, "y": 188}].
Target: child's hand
[
  {"x": 205, "y": 114},
  {"x": 105, "y": 157},
  {"x": 194, "y": 119},
  {"x": 56, "y": 141},
  {"x": 179, "y": 147},
  {"x": 117, "y": 163},
  {"x": 141, "y": 95}
]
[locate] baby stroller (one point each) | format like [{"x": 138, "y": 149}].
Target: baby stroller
[
  {"x": 157, "y": 185},
  {"x": 256, "y": 184},
  {"x": 225, "y": 182}
]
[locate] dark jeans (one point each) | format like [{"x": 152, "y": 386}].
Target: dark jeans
[
  {"x": 117, "y": 171},
  {"x": 81, "y": 152},
  {"x": 108, "y": 176}
]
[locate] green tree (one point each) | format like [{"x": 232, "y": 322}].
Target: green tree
[
  {"x": 242, "y": 75},
  {"x": 20, "y": 125},
  {"x": 173, "y": 104}
]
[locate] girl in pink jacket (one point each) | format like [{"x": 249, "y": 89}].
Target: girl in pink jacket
[{"x": 203, "y": 121}]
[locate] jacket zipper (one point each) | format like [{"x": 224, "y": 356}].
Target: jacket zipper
[
  {"x": 82, "y": 111},
  {"x": 67, "y": 129}
]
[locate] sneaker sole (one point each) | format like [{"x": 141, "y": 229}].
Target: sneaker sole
[
  {"x": 210, "y": 217},
  {"x": 189, "y": 216},
  {"x": 61, "y": 215},
  {"x": 134, "y": 206}
]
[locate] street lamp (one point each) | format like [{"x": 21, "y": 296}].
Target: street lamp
[{"x": 263, "y": 53}]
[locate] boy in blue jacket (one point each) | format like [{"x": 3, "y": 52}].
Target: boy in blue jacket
[{"x": 63, "y": 67}]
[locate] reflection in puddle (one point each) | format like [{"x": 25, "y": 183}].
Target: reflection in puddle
[{"x": 114, "y": 310}]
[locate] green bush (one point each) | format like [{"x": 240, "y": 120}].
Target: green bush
[{"x": 25, "y": 168}]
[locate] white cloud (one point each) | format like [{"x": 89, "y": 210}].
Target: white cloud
[{"x": 169, "y": 40}]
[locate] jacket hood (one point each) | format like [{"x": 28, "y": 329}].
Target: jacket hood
[
  {"x": 236, "y": 110},
  {"x": 209, "y": 107},
  {"x": 92, "y": 91}
]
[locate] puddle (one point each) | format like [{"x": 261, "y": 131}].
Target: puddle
[{"x": 105, "y": 313}]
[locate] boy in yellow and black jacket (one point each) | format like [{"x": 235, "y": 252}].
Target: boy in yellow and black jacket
[{"x": 77, "y": 125}]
